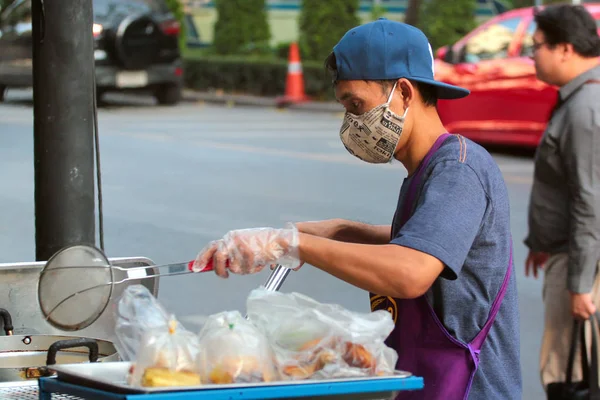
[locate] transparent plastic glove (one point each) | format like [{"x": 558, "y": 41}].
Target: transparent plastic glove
[{"x": 248, "y": 251}]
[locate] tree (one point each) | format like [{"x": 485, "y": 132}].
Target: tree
[
  {"x": 322, "y": 24},
  {"x": 241, "y": 27},
  {"x": 412, "y": 12},
  {"x": 4, "y": 4},
  {"x": 176, "y": 9},
  {"x": 444, "y": 22}
]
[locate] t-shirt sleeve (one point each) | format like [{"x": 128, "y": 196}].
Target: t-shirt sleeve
[{"x": 448, "y": 216}]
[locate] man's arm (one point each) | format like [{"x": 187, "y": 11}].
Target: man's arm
[
  {"x": 582, "y": 162},
  {"x": 347, "y": 231},
  {"x": 388, "y": 270}
]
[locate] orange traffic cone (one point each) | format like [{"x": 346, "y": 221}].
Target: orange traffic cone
[{"x": 294, "y": 85}]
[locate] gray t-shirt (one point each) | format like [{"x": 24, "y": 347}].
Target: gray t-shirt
[{"x": 462, "y": 217}]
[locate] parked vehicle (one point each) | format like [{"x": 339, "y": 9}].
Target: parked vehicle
[
  {"x": 135, "y": 48},
  {"x": 508, "y": 105}
]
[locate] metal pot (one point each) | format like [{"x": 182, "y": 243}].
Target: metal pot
[{"x": 25, "y": 357}]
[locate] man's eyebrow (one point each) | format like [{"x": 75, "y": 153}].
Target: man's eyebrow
[{"x": 346, "y": 96}]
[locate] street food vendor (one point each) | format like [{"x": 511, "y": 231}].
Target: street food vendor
[{"x": 444, "y": 267}]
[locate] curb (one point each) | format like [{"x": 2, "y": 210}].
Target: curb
[{"x": 244, "y": 100}]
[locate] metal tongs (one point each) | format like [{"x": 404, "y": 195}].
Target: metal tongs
[{"x": 76, "y": 284}]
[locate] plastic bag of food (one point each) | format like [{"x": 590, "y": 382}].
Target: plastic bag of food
[
  {"x": 166, "y": 357},
  {"x": 232, "y": 350},
  {"x": 312, "y": 340},
  {"x": 136, "y": 313}
]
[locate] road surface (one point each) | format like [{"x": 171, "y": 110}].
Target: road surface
[{"x": 176, "y": 178}]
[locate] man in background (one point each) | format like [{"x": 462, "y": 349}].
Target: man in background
[{"x": 564, "y": 209}]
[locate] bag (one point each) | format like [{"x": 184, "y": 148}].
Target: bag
[
  {"x": 232, "y": 350},
  {"x": 588, "y": 388},
  {"x": 166, "y": 357},
  {"x": 137, "y": 312},
  {"x": 312, "y": 340}
]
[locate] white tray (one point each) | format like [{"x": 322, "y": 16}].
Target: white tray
[{"x": 112, "y": 377}]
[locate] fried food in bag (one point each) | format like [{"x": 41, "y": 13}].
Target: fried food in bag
[
  {"x": 312, "y": 340},
  {"x": 167, "y": 358},
  {"x": 234, "y": 351}
]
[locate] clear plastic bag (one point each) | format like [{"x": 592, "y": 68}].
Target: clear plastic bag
[
  {"x": 166, "y": 357},
  {"x": 234, "y": 351},
  {"x": 137, "y": 312},
  {"x": 312, "y": 340}
]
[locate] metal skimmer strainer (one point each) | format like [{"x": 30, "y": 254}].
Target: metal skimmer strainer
[{"x": 77, "y": 282}]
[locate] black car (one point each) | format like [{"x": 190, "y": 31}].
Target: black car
[{"x": 136, "y": 48}]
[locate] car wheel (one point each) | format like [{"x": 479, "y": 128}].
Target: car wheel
[{"x": 168, "y": 94}]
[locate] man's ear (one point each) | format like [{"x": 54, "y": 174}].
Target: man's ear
[
  {"x": 566, "y": 50},
  {"x": 406, "y": 90}
]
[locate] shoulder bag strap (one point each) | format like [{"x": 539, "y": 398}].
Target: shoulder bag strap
[{"x": 593, "y": 374}]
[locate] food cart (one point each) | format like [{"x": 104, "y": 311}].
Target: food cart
[
  {"x": 26, "y": 339},
  {"x": 346, "y": 389},
  {"x": 54, "y": 365}
]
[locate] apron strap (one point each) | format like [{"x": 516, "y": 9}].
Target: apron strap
[{"x": 477, "y": 343}]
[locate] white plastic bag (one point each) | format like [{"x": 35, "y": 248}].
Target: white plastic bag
[
  {"x": 166, "y": 357},
  {"x": 137, "y": 312},
  {"x": 322, "y": 341},
  {"x": 232, "y": 350}
]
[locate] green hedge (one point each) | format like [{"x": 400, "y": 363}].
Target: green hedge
[
  {"x": 241, "y": 27},
  {"x": 253, "y": 76}
]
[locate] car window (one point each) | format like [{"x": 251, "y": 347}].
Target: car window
[
  {"x": 104, "y": 8},
  {"x": 527, "y": 45},
  {"x": 490, "y": 43}
]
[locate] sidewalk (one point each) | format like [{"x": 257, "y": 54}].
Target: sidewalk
[{"x": 257, "y": 101}]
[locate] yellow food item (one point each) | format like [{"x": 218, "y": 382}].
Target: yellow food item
[
  {"x": 241, "y": 369},
  {"x": 220, "y": 376},
  {"x": 162, "y": 377}
]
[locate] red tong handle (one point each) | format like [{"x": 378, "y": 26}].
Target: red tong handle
[{"x": 207, "y": 268}]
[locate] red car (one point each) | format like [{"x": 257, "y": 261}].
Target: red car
[{"x": 508, "y": 105}]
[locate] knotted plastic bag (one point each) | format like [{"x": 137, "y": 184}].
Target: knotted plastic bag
[
  {"x": 234, "y": 351},
  {"x": 137, "y": 312},
  {"x": 312, "y": 340},
  {"x": 167, "y": 357}
]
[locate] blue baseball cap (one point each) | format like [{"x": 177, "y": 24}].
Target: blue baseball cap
[{"x": 385, "y": 49}]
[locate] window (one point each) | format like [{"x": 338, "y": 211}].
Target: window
[
  {"x": 491, "y": 43},
  {"x": 106, "y": 8},
  {"x": 527, "y": 45}
]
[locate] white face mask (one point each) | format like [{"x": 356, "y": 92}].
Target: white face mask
[{"x": 374, "y": 135}]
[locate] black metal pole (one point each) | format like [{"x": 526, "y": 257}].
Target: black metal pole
[{"x": 63, "y": 68}]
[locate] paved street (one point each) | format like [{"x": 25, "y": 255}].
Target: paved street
[{"x": 176, "y": 178}]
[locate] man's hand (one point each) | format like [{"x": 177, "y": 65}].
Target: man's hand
[
  {"x": 535, "y": 261},
  {"x": 582, "y": 306},
  {"x": 248, "y": 251}
]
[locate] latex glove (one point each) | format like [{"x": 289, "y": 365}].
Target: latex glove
[{"x": 248, "y": 251}]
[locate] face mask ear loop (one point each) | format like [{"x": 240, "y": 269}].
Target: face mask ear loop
[
  {"x": 405, "y": 111},
  {"x": 391, "y": 93}
]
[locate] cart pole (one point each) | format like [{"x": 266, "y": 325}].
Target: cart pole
[{"x": 63, "y": 67}]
